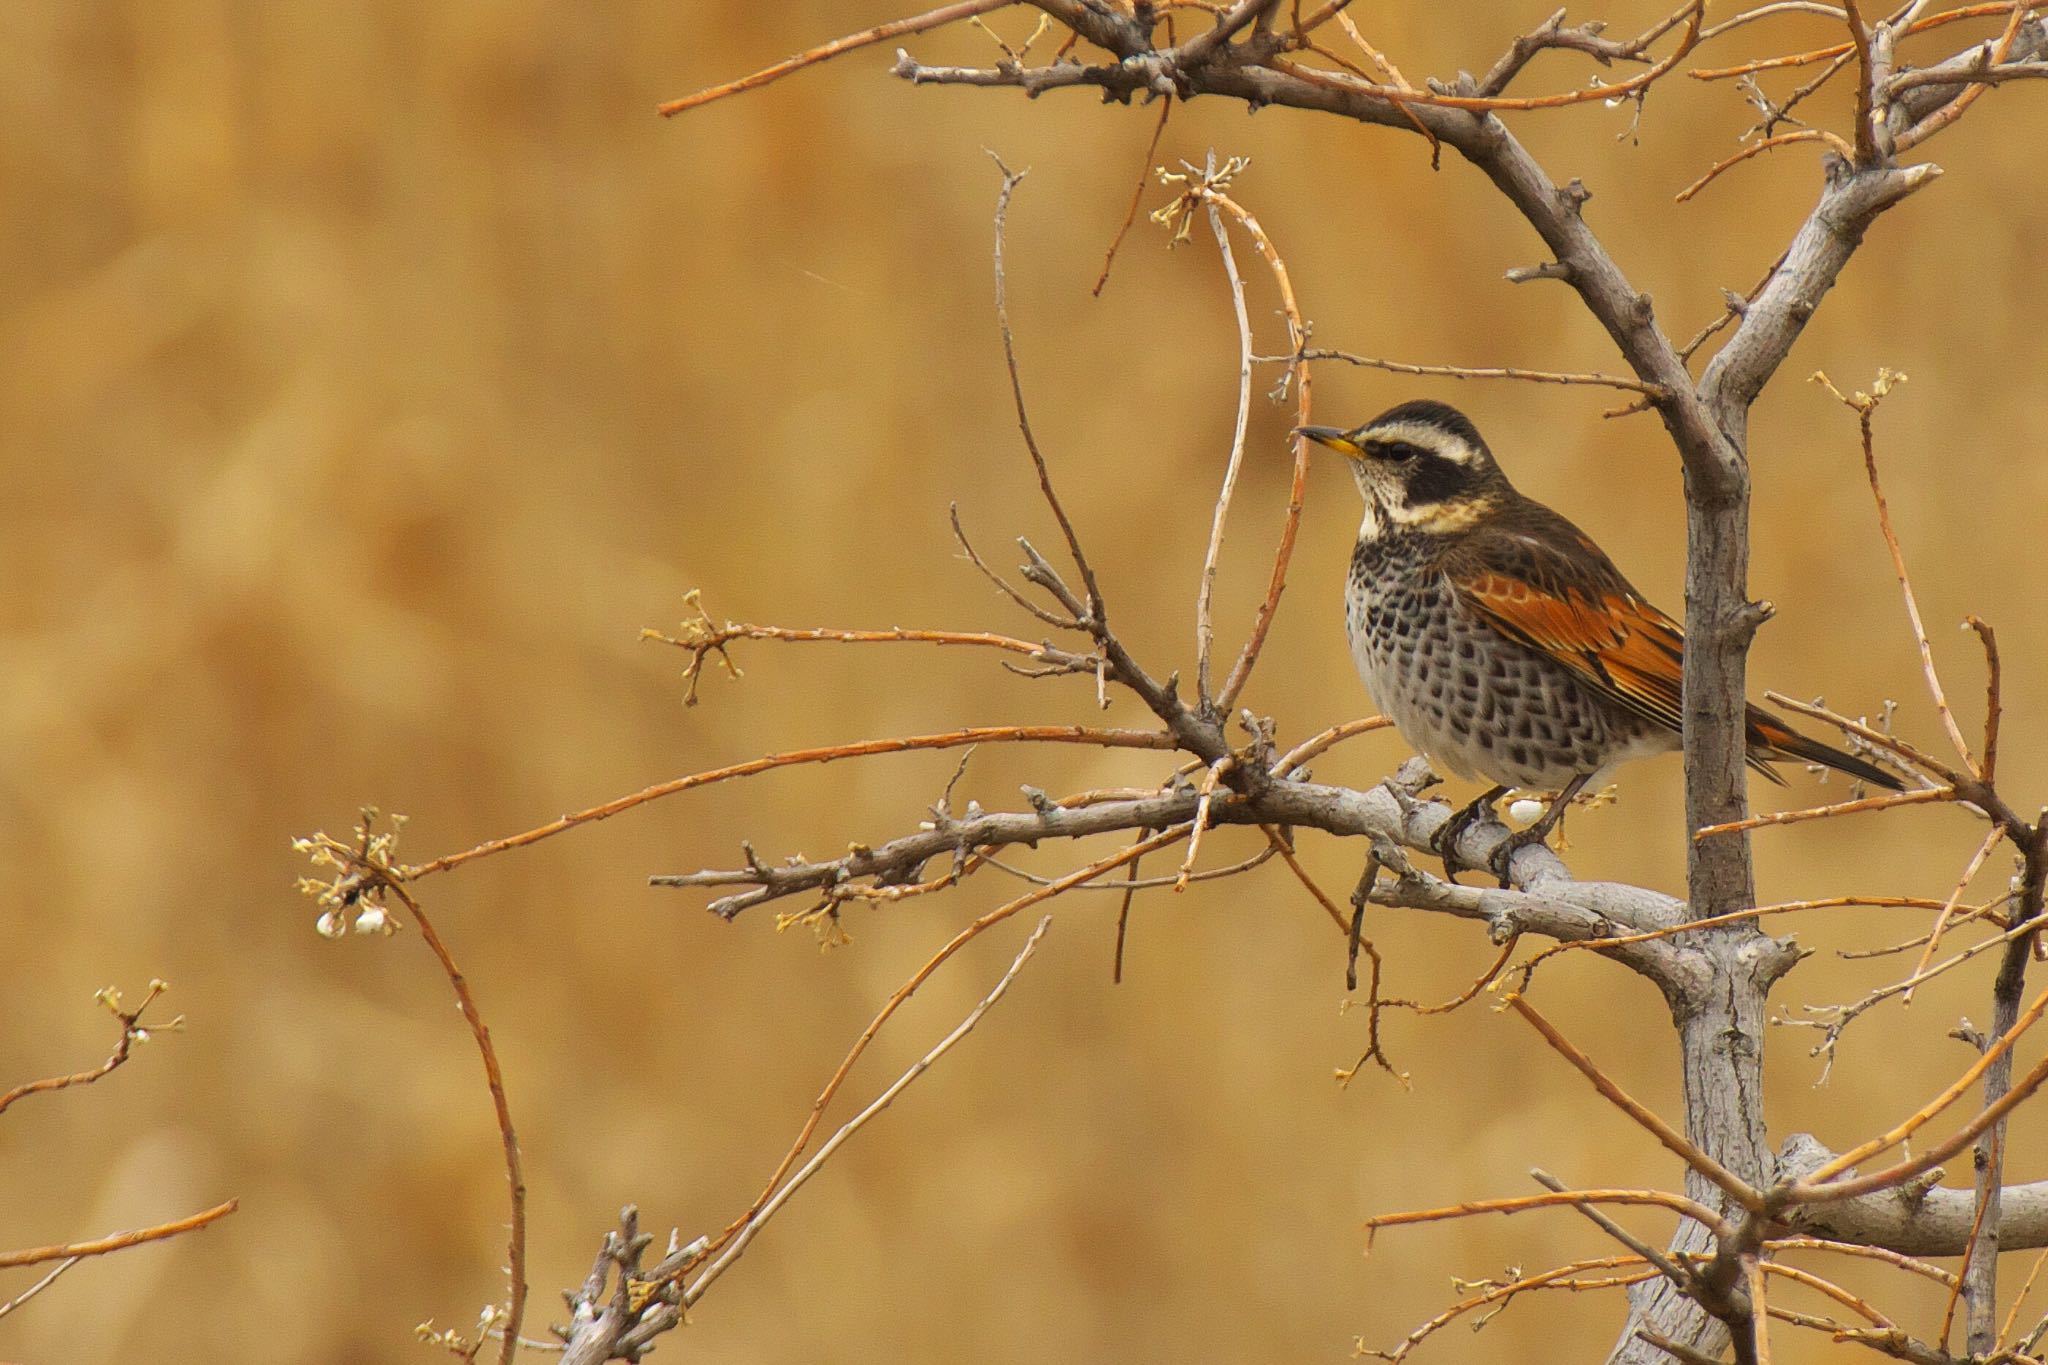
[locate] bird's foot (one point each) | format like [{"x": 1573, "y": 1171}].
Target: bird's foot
[
  {"x": 1445, "y": 846},
  {"x": 1501, "y": 861}
]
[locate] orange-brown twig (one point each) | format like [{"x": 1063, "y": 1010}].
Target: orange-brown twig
[
  {"x": 1885, "y": 1254},
  {"x": 1860, "y": 1307},
  {"x": 1523, "y": 1203},
  {"x": 1865, "y": 408},
  {"x": 1205, "y": 797},
  {"x": 907, "y": 989},
  {"x": 1727, "y": 163},
  {"x": 1948, "y": 907},
  {"x": 1984, "y": 1202},
  {"x": 1865, "y": 152},
  {"x": 1972, "y": 91},
  {"x": 119, "y": 1241},
  {"x": 1732, "y": 917},
  {"x": 1829, "y": 53},
  {"x": 2026, "y": 1287},
  {"x": 1994, "y": 705},
  {"x": 131, "y": 1032},
  {"x": 825, "y": 52},
  {"x": 1559, "y": 1277},
  {"x": 1137, "y": 196},
  {"x": 1393, "y": 73},
  {"x": 1297, "y": 489},
  {"x": 738, "y": 1243},
  {"x": 1868, "y": 803},
  {"x": 515, "y": 1180},
  {"x": 950, "y": 739},
  {"x": 1318, "y": 744},
  {"x": 1683, "y": 1147},
  {"x": 1654, "y": 392},
  {"x": 1759, "y": 1308},
  {"x": 1822, "y": 1185}
]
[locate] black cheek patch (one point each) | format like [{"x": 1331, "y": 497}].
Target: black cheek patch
[{"x": 1433, "y": 479}]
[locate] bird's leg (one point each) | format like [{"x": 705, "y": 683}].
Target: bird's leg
[
  {"x": 1446, "y": 843},
  {"x": 1359, "y": 899},
  {"x": 1504, "y": 853}
]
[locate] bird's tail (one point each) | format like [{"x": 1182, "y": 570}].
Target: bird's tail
[{"x": 1770, "y": 737}]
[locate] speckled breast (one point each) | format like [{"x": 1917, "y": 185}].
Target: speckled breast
[{"x": 1474, "y": 702}]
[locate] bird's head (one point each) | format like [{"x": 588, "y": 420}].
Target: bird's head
[{"x": 1420, "y": 466}]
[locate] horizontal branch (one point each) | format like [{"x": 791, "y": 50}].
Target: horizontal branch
[
  {"x": 1544, "y": 898},
  {"x": 1914, "y": 1219},
  {"x": 1608, "y": 381},
  {"x": 831, "y": 753}
]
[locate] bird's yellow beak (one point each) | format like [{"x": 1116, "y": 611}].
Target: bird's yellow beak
[{"x": 1334, "y": 438}]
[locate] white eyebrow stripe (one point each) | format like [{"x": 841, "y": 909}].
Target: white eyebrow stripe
[{"x": 1431, "y": 438}]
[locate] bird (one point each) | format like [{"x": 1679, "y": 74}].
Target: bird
[{"x": 1500, "y": 639}]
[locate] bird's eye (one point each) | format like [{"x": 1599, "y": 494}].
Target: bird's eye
[{"x": 1400, "y": 451}]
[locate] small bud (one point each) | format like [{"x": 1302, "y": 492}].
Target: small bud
[
  {"x": 373, "y": 920},
  {"x": 329, "y": 925},
  {"x": 1526, "y": 811}
]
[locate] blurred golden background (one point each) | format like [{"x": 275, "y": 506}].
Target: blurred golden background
[{"x": 375, "y": 372}]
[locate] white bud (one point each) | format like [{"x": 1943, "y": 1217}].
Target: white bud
[
  {"x": 330, "y": 925},
  {"x": 1526, "y": 811},
  {"x": 373, "y": 920}
]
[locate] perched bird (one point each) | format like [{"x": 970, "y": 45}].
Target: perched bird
[{"x": 1499, "y": 638}]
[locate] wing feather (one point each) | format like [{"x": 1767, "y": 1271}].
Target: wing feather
[{"x": 1551, "y": 588}]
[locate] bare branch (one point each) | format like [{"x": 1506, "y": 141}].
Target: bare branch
[
  {"x": 944, "y": 14},
  {"x": 1052, "y": 499},
  {"x": 738, "y": 1245},
  {"x": 132, "y": 1032},
  {"x": 119, "y": 1241},
  {"x": 515, "y": 1180}
]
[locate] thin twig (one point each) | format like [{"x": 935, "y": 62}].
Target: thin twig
[
  {"x": 38, "y": 1287},
  {"x": 895, "y": 28},
  {"x": 950, "y": 739},
  {"x": 1738, "y": 1189},
  {"x": 1793, "y": 817},
  {"x": 1002, "y": 584},
  {"x": 909, "y": 987},
  {"x": 1052, "y": 499},
  {"x": 1865, "y": 408},
  {"x": 131, "y": 1033},
  {"x": 119, "y": 1241},
  {"x": 1655, "y": 392},
  {"x": 1803, "y": 135},
  {"x": 1297, "y": 492},
  {"x": 1672, "y": 1271},
  {"x": 1316, "y": 745},
  {"x": 1678, "y": 1203},
  {"x": 1137, "y": 195},
  {"x": 1487, "y": 103},
  {"x": 1972, "y": 91},
  {"x": 1948, "y": 908},
  {"x": 1205, "y": 628},
  {"x": 756, "y": 1221},
  {"x": 1994, "y": 706},
  {"x": 515, "y": 1180}
]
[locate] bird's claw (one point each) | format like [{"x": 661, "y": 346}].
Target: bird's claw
[
  {"x": 1445, "y": 845},
  {"x": 1501, "y": 861}
]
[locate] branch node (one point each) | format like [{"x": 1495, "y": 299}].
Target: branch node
[{"x": 1548, "y": 270}]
